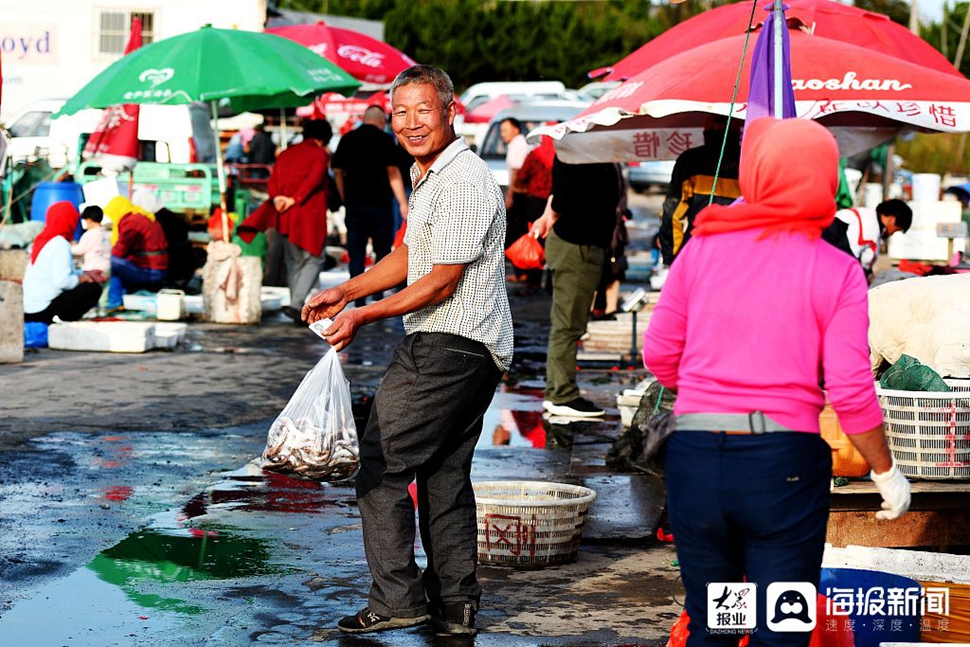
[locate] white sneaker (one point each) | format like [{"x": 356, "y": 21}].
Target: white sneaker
[{"x": 576, "y": 408}]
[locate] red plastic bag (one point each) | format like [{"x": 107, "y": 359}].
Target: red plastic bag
[
  {"x": 399, "y": 238},
  {"x": 915, "y": 267},
  {"x": 527, "y": 253}
]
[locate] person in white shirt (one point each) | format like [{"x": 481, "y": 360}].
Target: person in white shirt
[
  {"x": 517, "y": 149},
  {"x": 94, "y": 248},
  {"x": 52, "y": 287},
  {"x": 867, "y": 227}
]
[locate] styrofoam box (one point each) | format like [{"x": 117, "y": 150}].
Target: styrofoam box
[
  {"x": 169, "y": 335},
  {"x": 106, "y": 336},
  {"x": 921, "y": 243}
]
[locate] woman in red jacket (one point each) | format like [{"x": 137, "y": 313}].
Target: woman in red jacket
[{"x": 298, "y": 192}]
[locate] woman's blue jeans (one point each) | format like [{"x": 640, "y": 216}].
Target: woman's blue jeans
[
  {"x": 747, "y": 508},
  {"x": 127, "y": 277}
]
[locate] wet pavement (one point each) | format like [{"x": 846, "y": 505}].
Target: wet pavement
[
  {"x": 130, "y": 515},
  {"x": 139, "y": 538}
]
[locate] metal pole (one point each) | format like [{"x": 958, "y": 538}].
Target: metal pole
[
  {"x": 778, "y": 16},
  {"x": 283, "y": 135},
  {"x": 634, "y": 354},
  {"x": 221, "y": 173}
]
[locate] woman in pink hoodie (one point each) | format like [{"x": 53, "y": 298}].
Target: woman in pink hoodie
[{"x": 756, "y": 314}]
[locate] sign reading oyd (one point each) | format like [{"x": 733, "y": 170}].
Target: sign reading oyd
[{"x": 28, "y": 43}]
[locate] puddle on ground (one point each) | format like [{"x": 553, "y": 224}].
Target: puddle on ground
[
  {"x": 514, "y": 419},
  {"x": 130, "y": 589},
  {"x": 252, "y": 489}
]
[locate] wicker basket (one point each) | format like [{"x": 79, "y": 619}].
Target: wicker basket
[
  {"x": 929, "y": 432},
  {"x": 530, "y": 524}
]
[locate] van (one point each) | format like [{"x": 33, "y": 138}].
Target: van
[
  {"x": 531, "y": 116},
  {"x": 177, "y": 134}
]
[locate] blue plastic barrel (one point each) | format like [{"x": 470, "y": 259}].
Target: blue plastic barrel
[{"x": 47, "y": 193}]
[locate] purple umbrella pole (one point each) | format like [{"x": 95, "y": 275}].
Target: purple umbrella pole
[{"x": 769, "y": 75}]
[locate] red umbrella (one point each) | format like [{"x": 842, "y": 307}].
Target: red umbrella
[
  {"x": 484, "y": 112},
  {"x": 115, "y": 141},
  {"x": 335, "y": 103},
  {"x": 824, "y": 18},
  {"x": 863, "y": 96},
  {"x": 366, "y": 59}
]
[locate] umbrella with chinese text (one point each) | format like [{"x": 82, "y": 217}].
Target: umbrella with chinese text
[
  {"x": 823, "y": 18},
  {"x": 862, "y": 96},
  {"x": 250, "y": 70}
]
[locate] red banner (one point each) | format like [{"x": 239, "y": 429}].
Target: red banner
[{"x": 115, "y": 141}]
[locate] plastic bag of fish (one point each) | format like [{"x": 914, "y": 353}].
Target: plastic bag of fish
[{"x": 315, "y": 437}]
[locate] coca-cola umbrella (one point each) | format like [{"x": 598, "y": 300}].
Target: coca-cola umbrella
[
  {"x": 862, "y": 96},
  {"x": 825, "y": 18},
  {"x": 367, "y": 59}
]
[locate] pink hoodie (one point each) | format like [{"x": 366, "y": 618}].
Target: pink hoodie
[{"x": 749, "y": 322}]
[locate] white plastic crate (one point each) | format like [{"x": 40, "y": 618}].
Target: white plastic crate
[
  {"x": 929, "y": 432},
  {"x": 530, "y": 524}
]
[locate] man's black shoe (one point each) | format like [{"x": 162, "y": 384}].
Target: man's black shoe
[
  {"x": 368, "y": 621},
  {"x": 454, "y": 618}
]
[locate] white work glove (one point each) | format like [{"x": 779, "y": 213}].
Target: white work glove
[{"x": 894, "y": 489}]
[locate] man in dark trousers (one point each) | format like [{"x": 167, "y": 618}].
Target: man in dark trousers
[
  {"x": 428, "y": 412},
  {"x": 368, "y": 179},
  {"x": 578, "y": 226}
]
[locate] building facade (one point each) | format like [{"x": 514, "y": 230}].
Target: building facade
[{"x": 51, "y": 48}]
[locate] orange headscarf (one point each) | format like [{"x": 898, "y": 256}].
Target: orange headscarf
[
  {"x": 789, "y": 175},
  {"x": 62, "y": 220}
]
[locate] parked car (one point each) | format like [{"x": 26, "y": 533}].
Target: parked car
[
  {"x": 177, "y": 134},
  {"x": 597, "y": 89},
  {"x": 520, "y": 92},
  {"x": 653, "y": 174},
  {"x": 531, "y": 116},
  {"x": 479, "y": 93}
]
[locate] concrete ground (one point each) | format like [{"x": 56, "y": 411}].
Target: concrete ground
[{"x": 128, "y": 515}]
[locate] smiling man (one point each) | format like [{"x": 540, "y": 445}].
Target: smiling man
[{"x": 427, "y": 415}]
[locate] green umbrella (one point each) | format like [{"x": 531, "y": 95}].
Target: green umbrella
[{"x": 251, "y": 70}]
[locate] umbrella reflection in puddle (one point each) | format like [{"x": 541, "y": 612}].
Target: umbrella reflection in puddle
[{"x": 181, "y": 555}]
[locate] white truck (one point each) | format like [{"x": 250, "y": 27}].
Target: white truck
[{"x": 177, "y": 134}]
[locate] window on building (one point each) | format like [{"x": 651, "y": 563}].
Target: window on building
[{"x": 114, "y": 29}]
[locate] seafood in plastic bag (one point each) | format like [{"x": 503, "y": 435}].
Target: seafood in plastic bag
[{"x": 315, "y": 437}]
